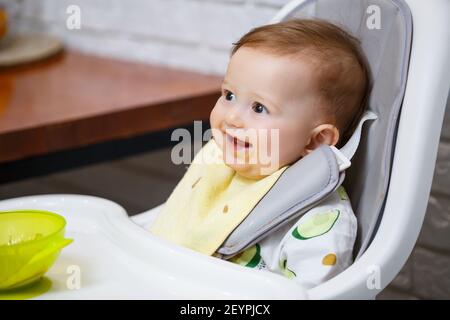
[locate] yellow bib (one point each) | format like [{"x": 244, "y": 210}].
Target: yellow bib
[{"x": 209, "y": 202}]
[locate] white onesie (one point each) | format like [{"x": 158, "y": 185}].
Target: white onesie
[{"x": 312, "y": 249}]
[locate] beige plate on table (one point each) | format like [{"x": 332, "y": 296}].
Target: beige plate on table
[{"x": 24, "y": 48}]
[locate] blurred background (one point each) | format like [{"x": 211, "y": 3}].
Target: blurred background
[
  {"x": 190, "y": 40},
  {"x": 191, "y": 34}
]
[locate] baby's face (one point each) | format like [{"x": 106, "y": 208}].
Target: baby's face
[{"x": 264, "y": 93}]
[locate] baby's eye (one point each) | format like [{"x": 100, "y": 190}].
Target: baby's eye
[
  {"x": 259, "y": 108},
  {"x": 229, "y": 95}
]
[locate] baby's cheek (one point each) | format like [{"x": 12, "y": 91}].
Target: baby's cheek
[
  {"x": 218, "y": 112},
  {"x": 213, "y": 117},
  {"x": 268, "y": 151},
  {"x": 290, "y": 147}
]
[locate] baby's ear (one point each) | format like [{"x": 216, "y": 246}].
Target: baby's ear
[{"x": 322, "y": 134}]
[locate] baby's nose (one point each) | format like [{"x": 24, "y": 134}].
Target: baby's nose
[{"x": 234, "y": 119}]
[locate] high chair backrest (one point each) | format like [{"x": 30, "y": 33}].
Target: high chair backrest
[{"x": 384, "y": 28}]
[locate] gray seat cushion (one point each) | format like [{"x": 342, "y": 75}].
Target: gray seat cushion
[{"x": 387, "y": 50}]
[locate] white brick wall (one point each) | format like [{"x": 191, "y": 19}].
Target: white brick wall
[
  {"x": 188, "y": 34},
  {"x": 197, "y": 35}
]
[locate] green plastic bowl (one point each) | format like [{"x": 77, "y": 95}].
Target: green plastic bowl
[{"x": 30, "y": 242}]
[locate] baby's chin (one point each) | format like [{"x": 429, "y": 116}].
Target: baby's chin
[
  {"x": 252, "y": 171},
  {"x": 246, "y": 165}
]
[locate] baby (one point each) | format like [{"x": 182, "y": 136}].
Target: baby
[{"x": 307, "y": 81}]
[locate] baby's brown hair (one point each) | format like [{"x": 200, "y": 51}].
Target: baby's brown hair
[{"x": 343, "y": 80}]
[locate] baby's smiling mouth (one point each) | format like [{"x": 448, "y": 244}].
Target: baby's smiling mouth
[{"x": 238, "y": 144}]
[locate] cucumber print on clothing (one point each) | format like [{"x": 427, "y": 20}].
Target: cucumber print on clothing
[
  {"x": 285, "y": 270},
  {"x": 316, "y": 225},
  {"x": 249, "y": 258}
]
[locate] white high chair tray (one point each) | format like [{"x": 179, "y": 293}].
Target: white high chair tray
[{"x": 119, "y": 259}]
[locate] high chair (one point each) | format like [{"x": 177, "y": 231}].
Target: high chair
[{"x": 389, "y": 181}]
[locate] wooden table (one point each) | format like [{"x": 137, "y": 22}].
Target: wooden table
[{"x": 75, "y": 100}]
